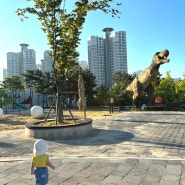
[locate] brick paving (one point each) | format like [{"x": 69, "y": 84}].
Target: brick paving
[{"x": 131, "y": 148}]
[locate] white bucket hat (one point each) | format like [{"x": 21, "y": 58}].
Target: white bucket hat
[{"x": 40, "y": 147}]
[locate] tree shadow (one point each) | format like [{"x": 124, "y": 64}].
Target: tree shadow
[
  {"x": 6, "y": 145},
  {"x": 100, "y": 137}
]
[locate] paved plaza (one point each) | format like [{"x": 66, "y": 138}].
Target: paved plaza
[{"x": 130, "y": 148}]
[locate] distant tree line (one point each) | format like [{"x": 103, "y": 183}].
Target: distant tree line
[{"x": 43, "y": 83}]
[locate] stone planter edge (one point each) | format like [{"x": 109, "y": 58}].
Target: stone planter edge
[{"x": 82, "y": 129}]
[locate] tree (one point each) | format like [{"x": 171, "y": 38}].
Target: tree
[
  {"x": 102, "y": 96},
  {"x": 180, "y": 90},
  {"x": 121, "y": 81},
  {"x": 71, "y": 83},
  {"x": 1, "y": 84},
  {"x": 13, "y": 84},
  {"x": 63, "y": 30},
  {"x": 123, "y": 77},
  {"x": 30, "y": 80},
  {"x": 90, "y": 85},
  {"x": 41, "y": 82},
  {"x": 166, "y": 88}
]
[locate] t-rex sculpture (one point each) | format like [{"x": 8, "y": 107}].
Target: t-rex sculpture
[{"x": 143, "y": 82}]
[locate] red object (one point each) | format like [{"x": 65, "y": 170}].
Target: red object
[
  {"x": 27, "y": 101},
  {"x": 158, "y": 100}
]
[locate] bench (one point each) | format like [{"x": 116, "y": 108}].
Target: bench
[{"x": 173, "y": 106}]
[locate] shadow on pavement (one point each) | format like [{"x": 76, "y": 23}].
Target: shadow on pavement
[
  {"x": 6, "y": 145},
  {"x": 100, "y": 137}
]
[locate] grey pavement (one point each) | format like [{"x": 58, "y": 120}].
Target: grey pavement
[{"x": 130, "y": 148}]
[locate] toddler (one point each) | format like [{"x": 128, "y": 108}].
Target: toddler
[{"x": 40, "y": 161}]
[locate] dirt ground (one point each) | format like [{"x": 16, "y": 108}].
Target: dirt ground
[{"x": 15, "y": 120}]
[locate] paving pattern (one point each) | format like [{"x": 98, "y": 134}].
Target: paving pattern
[{"x": 131, "y": 148}]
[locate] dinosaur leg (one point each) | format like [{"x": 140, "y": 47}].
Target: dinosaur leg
[
  {"x": 135, "y": 98},
  {"x": 150, "y": 94},
  {"x": 137, "y": 89}
]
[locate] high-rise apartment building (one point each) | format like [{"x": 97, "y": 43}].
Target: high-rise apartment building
[
  {"x": 47, "y": 62},
  {"x": 28, "y": 57},
  {"x": 107, "y": 55},
  {"x": 14, "y": 64},
  {"x": 83, "y": 64},
  {"x": 96, "y": 58},
  {"x": 19, "y": 62},
  {"x": 119, "y": 52},
  {"x": 4, "y": 74}
]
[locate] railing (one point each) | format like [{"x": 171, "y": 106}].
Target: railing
[{"x": 111, "y": 109}]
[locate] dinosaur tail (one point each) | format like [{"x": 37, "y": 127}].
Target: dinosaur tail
[{"x": 123, "y": 93}]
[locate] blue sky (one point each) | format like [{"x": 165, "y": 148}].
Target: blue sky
[{"x": 151, "y": 26}]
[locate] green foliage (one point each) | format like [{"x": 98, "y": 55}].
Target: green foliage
[
  {"x": 121, "y": 81},
  {"x": 167, "y": 89},
  {"x": 89, "y": 82},
  {"x": 42, "y": 83},
  {"x": 116, "y": 90},
  {"x": 63, "y": 31},
  {"x": 62, "y": 28},
  {"x": 180, "y": 90},
  {"x": 102, "y": 96},
  {"x": 13, "y": 84},
  {"x": 123, "y": 77}
]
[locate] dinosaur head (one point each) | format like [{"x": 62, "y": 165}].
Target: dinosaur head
[
  {"x": 164, "y": 54},
  {"x": 161, "y": 57}
]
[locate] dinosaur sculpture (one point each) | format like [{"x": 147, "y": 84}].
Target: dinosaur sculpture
[{"x": 143, "y": 82}]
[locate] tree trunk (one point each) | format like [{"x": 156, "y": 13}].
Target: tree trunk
[{"x": 59, "y": 109}]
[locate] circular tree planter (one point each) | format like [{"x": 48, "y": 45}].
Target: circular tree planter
[{"x": 35, "y": 130}]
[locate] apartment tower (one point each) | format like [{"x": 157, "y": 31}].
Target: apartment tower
[
  {"x": 107, "y": 55},
  {"x": 28, "y": 58},
  {"x": 19, "y": 62},
  {"x": 47, "y": 62},
  {"x": 96, "y": 59}
]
